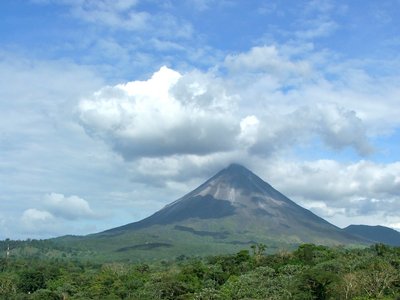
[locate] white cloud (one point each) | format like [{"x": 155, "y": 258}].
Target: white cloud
[
  {"x": 341, "y": 128},
  {"x": 35, "y": 221},
  {"x": 320, "y": 29},
  {"x": 249, "y": 130},
  {"x": 200, "y": 113},
  {"x": 336, "y": 126},
  {"x": 182, "y": 168},
  {"x": 330, "y": 188},
  {"x": 166, "y": 115},
  {"x": 319, "y": 6},
  {"x": 114, "y": 13},
  {"x": 119, "y": 14},
  {"x": 267, "y": 60},
  {"x": 126, "y": 16},
  {"x": 322, "y": 209},
  {"x": 42, "y": 223},
  {"x": 394, "y": 224},
  {"x": 32, "y": 215},
  {"x": 363, "y": 179},
  {"x": 204, "y": 5},
  {"x": 72, "y": 207},
  {"x": 281, "y": 79},
  {"x": 57, "y": 215}
]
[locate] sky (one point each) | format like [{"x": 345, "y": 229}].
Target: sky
[{"x": 111, "y": 109}]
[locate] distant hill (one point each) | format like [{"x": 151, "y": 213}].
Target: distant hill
[{"x": 378, "y": 234}]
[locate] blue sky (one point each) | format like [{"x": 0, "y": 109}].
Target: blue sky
[{"x": 109, "y": 110}]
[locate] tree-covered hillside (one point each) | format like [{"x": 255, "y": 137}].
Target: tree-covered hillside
[{"x": 310, "y": 272}]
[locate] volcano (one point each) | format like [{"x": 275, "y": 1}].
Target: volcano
[
  {"x": 237, "y": 196},
  {"x": 233, "y": 209}
]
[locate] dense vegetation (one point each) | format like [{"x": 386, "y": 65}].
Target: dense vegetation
[{"x": 310, "y": 272}]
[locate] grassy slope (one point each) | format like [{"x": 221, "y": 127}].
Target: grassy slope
[{"x": 194, "y": 237}]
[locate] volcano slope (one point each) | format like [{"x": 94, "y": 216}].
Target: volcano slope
[
  {"x": 376, "y": 234},
  {"x": 229, "y": 212}
]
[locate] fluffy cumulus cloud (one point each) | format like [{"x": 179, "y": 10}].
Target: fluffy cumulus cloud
[
  {"x": 72, "y": 207},
  {"x": 55, "y": 214},
  {"x": 165, "y": 115},
  {"x": 337, "y": 127},
  {"x": 32, "y": 215},
  {"x": 56, "y": 206},
  {"x": 200, "y": 113},
  {"x": 36, "y": 221}
]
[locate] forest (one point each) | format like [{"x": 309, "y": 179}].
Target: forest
[{"x": 309, "y": 272}]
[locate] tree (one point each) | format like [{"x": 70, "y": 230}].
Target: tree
[
  {"x": 31, "y": 280},
  {"x": 8, "y": 285},
  {"x": 317, "y": 283},
  {"x": 379, "y": 279}
]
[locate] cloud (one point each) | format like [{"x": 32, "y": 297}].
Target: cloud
[
  {"x": 126, "y": 15},
  {"x": 112, "y": 14},
  {"x": 42, "y": 223},
  {"x": 342, "y": 128},
  {"x": 57, "y": 215},
  {"x": 266, "y": 60},
  {"x": 35, "y": 221},
  {"x": 331, "y": 188},
  {"x": 317, "y": 19},
  {"x": 319, "y": 29},
  {"x": 249, "y": 130},
  {"x": 204, "y": 5},
  {"x": 200, "y": 113},
  {"x": 360, "y": 179},
  {"x": 70, "y": 208},
  {"x": 200, "y": 5},
  {"x": 283, "y": 78},
  {"x": 165, "y": 115},
  {"x": 336, "y": 126},
  {"x": 57, "y": 206},
  {"x": 33, "y": 215}
]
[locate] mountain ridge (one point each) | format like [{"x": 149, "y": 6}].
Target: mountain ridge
[{"x": 376, "y": 234}]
